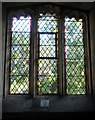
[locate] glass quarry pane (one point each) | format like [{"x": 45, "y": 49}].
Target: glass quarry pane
[
  {"x": 20, "y": 52},
  {"x": 75, "y": 68},
  {"x": 47, "y": 39},
  {"x": 76, "y": 39},
  {"x": 19, "y": 84},
  {"x": 47, "y": 23},
  {"x": 47, "y": 84},
  {"x": 47, "y": 51},
  {"x": 47, "y": 76},
  {"x": 47, "y": 66},
  {"x": 74, "y": 52},
  {"x": 22, "y": 24},
  {"x": 47, "y": 45},
  {"x": 20, "y": 38},
  {"x": 76, "y": 85}
]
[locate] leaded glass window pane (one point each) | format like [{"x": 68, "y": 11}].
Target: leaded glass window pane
[
  {"x": 47, "y": 23},
  {"x": 47, "y": 76},
  {"x": 20, "y": 55},
  {"x": 74, "y": 56},
  {"x": 47, "y": 45},
  {"x": 47, "y": 82}
]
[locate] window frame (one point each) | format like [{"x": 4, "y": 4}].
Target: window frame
[{"x": 61, "y": 65}]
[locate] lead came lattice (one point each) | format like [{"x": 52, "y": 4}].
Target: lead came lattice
[
  {"x": 74, "y": 55},
  {"x": 47, "y": 54},
  {"x": 20, "y": 55}
]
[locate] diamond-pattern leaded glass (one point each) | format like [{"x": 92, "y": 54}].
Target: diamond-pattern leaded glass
[
  {"x": 47, "y": 46},
  {"x": 20, "y": 55},
  {"x": 47, "y": 55},
  {"x": 74, "y": 55},
  {"x": 47, "y": 23},
  {"x": 47, "y": 76}
]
